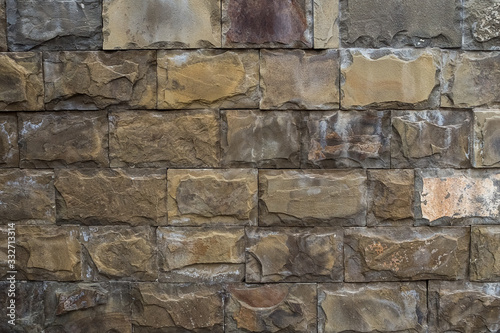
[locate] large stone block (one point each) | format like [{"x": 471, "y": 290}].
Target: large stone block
[
  {"x": 208, "y": 78},
  {"x": 265, "y": 139},
  {"x": 481, "y": 25},
  {"x": 96, "y": 80},
  {"x": 3, "y": 28},
  {"x": 298, "y": 79},
  {"x": 486, "y": 139},
  {"x": 485, "y": 254},
  {"x": 164, "y": 139},
  {"x": 116, "y": 196},
  {"x": 326, "y": 24},
  {"x": 29, "y": 307},
  {"x": 9, "y": 150}
]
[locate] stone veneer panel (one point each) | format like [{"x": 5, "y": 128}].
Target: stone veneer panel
[
  {"x": 486, "y": 138},
  {"x": 481, "y": 25},
  {"x": 485, "y": 254},
  {"x": 326, "y": 24},
  {"x": 9, "y": 149}
]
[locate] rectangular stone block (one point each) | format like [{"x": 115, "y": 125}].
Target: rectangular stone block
[
  {"x": 294, "y": 255},
  {"x": 62, "y": 139},
  {"x": 96, "y": 80},
  {"x": 373, "y": 307},
  {"x": 430, "y": 139},
  {"x": 267, "y": 23},
  {"x": 212, "y": 197},
  {"x": 297, "y": 79},
  {"x": 160, "y": 24},
  {"x": 271, "y": 308},
  {"x": 54, "y": 25},
  {"x": 485, "y": 254},
  {"x": 481, "y": 25},
  {"x": 385, "y": 79},
  {"x": 188, "y": 139},
  {"x": 111, "y": 196},
  {"x": 9, "y": 149},
  {"x": 486, "y": 139},
  {"x": 201, "y": 254},
  {"x": 28, "y": 306},
  {"x": 3, "y": 28},
  {"x": 208, "y": 79},
  {"x": 326, "y": 24},
  {"x": 312, "y": 198},
  {"x": 406, "y": 254},
  {"x": 264, "y": 139},
  {"x": 351, "y": 139}
]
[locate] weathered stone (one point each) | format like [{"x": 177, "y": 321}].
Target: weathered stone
[
  {"x": 9, "y": 150},
  {"x": 486, "y": 139},
  {"x": 271, "y": 308},
  {"x": 464, "y": 307},
  {"x": 29, "y": 308},
  {"x": 402, "y": 253},
  {"x": 481, "y": 25},
  {"x": 177, "y": 308},
  {"x": 267, "y": 23},
  {"x": 326, "y": 25},
  {"x": 294, "y": 255},
  {"x": 51, "y": 140},
  {"x": 265, "y": 139},
  {"x": 119, "y": 253},
  {"x": 385, "y": 79},
  {"x": 346, "y": 139},
  {"x": 430, "y": 139},
  {"x": 160, "y": 24},
  {"x": 201, "y": 254},
  {"x": 27, "y": 196},
  {"x": 485, "y": 254},
  {"x": 111, "y": 196},
  {"x": 95, "y": 80},
  {"x": 208, "y": 78},
  {"x": 21, "y": 81},
  {"x": 392, "y": 23},
  {"x": 54, "y": 25},
  {"x": 374, "y": 307},
  {"x": 312, "y": 198},
  {"x": 298, "y": 79},
  {"x": 197, "y": 197},
  {"x": 3, "y": 28}
]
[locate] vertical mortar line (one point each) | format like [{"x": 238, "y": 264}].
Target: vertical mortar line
[
  {"x": 428, "y": 319},
  {"x": 313, "y": 43},
  {"x": 220, "y": 22}
]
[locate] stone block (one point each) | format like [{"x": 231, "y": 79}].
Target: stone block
[
  {"x": 486, "y": 139},
  {"x": 3, "y": 28},
  {"x": 481, "y": 25},
  {"x": 9, "y": 149},
  {"x": 326, "y": 24},
  {"x": 29, "y": 307},
  {"x": 485, "y": 254}
]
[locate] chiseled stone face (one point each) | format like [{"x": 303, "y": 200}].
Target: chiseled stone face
[
  {"x": 3, "y": 28},
  {"x": 430, "y": 139},
  {"x": 271, "y": 308},
  {"x": 29, "y": 306},
  {"x": 486, "y": 139},
  {"x": 402, "y": 253},
  {"x": 130, "y": 24},
  {"x": 9, "y": 150},
  {"x": 164, "y": 139},
  {"x": 326, "y": 24},
  {"x": 373, "y": 307},
  {"x": 485, "y": 253},
  {"x": 294, "y": 255},
  {"x": 208, "y": 79},
  {"x": 481, "y": 25},
  {"x": 95, "y": 80},
  {"x": 297, "y": 79}
]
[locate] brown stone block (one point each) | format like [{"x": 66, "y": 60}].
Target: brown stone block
[
  {"x": 3, "y": 28},
  {"x": 481, "y": 25},
  {"x": 29, "y": 306},
  {"x": 9, "y": 150},
  {"x": 326, "y": 24},
  {"x": 485, "y": 254},
  {"x": 486, "y": 139}
]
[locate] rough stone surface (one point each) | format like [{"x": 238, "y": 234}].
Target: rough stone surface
[
  {"x": 29, "y": 307},
  {"x": 54, "y": 25},
  {"x": 485, "y": 254},
  {"x": 265, "y": 139},
  {"x": 95, "y": 80},
  {"x": 294, "y": 255},
  {"x": 326, "y": 24},
  {"x": 481, "y": 25},
  {"x": 374, "y": 307},
  {"x": 430, "y": 139},
  {"x": 208, "y": 78},
  {"x": 3, "y": 28},
  {"x": 267, "y": 23},
  {"x": 402, "y": 253},
  {"x": 486, "y": 139},
  {"x": 9, "y": 150},
  {"x": 299, "y": 197},
  {"x": 213, "y": 197},
  {"x": 201, "y": 254},
  {"x": 52, "y": 140},
  {"x": 21, "y": 81},
  {"x": 93, "y": 196},
  {"x": 385, "y": 79},
  {"x": 271, "y": 308},
  {"x": 346, "y": 139},
  {"x": 164, "y": 139},
  {"x": 312, "y": 84}
]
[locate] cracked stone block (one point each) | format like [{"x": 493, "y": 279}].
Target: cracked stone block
[
  {"x": 485, "y": 254},
  {"x": 406, "y": 254},
  {"x": 3, "y": 28},
  {"x": 54, "y": 25},
  {"x": 265, "y": 139},
  {"x": 389, "y": 79},
  {"x": 96, "y": 80},
  {"x": 111, "y": 196},
  {"x": 486, "y": 139},
  {"x": 212, "y": 197},
  {"x": 326, "y": 24},
  {"x": 186, "y": 139},
  {"x": 430, "y": 139},
  {"x": 208, "y": 79},
  {"x": 294, "y": 255},
  {"x": 29, "y": 307},
  {"x": 267, "y": 23},
  {"x": 373, "y": 307},
  {"x": 271, "y": 308},
  {"x": 298, "y": 79},
  {"x": 62, "y": 139},
  {"x": 170, "y": 24},
  {"x": 9, "y": 150},
  {"x": 481, "y": 25},
  {"x": 201, "y": 254}
]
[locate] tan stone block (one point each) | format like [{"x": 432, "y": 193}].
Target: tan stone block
[
  {"x": 3, "y": 28},
  {"x": 481, "y": 25},
  {"x": 326, "y": 24},
  {"x": 9, "y": 150},
  {"x": 486, "y": 139},
  {"x": 485, "y": 254}
]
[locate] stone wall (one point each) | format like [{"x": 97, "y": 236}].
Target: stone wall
[{"x": 250, "y": 166}]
